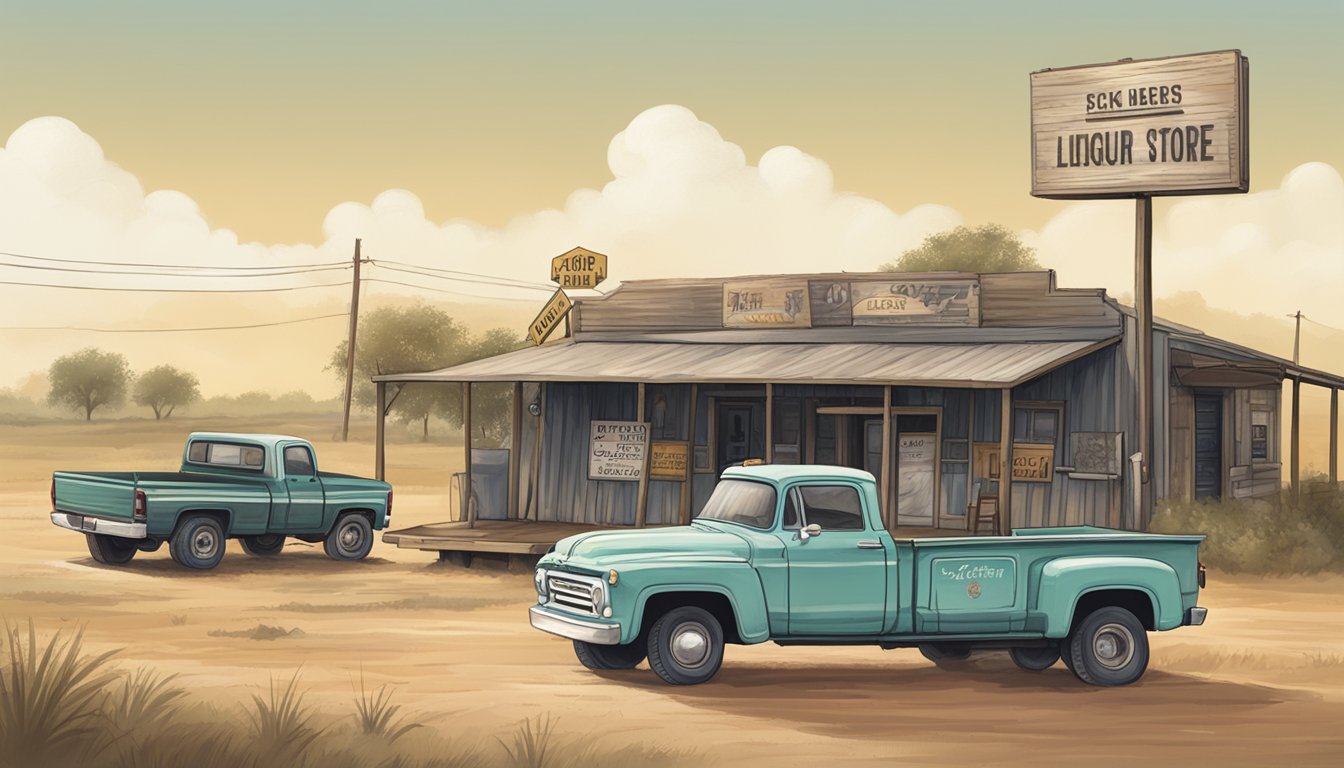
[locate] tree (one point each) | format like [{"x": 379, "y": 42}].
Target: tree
[
  {"x": 405, "y": 340},
  {"x": 424, "y": 338},
  {"x": 491, "y": 402},
  {"x": 987, "y": 248},
  {"x": 88, "y": 380},
  {"x": 164, "y": 388}
]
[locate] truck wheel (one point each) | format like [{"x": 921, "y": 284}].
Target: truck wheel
[
  {"x": 945, "y": 656},
  {"x": 198, "y": 543},
  {"x": 1109, "y": 647},
  {"x": 110, "y": 550},
  {"x": 1034, "y": 659},
  {"x": 595, "y": 656},
  {"x": 351, "y": 538},
  {"x": 265, "y": 545},
  {"x": 686, "y": 646}
]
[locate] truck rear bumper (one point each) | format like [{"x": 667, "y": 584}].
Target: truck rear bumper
[
  {"x": 574, "y": 627},
  {"x": 1195, "y": 616},
  {"x": 86, "y": 524}
]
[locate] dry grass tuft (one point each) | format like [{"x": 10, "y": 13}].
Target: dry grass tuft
[
  {"x": 282, "y": 722},
  {"x": 377, "y": 715},
  {"x": 50, "y": 695}
]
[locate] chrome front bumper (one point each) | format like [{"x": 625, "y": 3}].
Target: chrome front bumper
[
  {"x": 575, "y": 628},
  {"x": 1195, "y": 616},
  {"x": 86, "y": 524}
]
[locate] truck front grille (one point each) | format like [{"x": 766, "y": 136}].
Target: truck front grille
[{"x": 576, "y": 595}]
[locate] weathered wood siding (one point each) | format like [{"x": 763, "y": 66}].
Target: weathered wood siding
[
  {"x": 566, "y": 493},
  {"x": 1087, "y": 387},
  {"x": 1030, "y": 299},
  {"x": 1181, "y": 445}
]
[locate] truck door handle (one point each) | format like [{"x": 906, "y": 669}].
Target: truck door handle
[{"x": 869, "y": 544}]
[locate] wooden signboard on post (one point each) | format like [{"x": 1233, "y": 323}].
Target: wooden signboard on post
[
  {"x": 556, "y": 309},
  {"x": 579, "y": 268},
  {"x": 1169, "y": 126}
]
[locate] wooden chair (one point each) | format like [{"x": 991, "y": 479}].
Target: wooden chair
[{"x": 983, "y": 506}]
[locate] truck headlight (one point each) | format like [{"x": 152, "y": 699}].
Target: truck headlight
[{"x": 540, "y": 579}]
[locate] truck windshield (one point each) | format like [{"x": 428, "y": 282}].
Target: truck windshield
[{"x": 743, "y": 502}]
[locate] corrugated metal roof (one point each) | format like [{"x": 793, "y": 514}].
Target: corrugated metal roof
[{"x": 952, "y": 365}]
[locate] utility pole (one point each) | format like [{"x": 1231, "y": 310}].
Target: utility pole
[
  {"x": 350, "y": 351},
  {"x": 1143, "y": 304},
  {"x": 1297, "y": 335}
]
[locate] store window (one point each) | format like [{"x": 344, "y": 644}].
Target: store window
[{"x": 1037, "y": 423}]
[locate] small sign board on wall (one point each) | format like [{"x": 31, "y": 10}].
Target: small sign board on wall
[
  {"x": 669, "y": 460},
  {"x": 766, "y": 303},
  {"x": 916, "y": 302},
  {"x": 1168, "y": 126},
  {"x": 616, "y": 450},
  {"x": 1033, "y": 463}
]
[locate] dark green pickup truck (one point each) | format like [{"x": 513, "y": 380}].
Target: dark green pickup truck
[{"x": 258, "y": 489}]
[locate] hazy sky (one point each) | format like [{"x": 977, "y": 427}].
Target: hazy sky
[
  {"x": 682, "y": 139},
  {"x": 269, "y": 113}
]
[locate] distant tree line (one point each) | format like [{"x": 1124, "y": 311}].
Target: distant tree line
[{"x": 91, "y": 379}]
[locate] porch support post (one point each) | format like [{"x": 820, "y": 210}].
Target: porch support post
[
  {"x": 1005, "y": 462},
  {"x": 769, "y": 423},
  {"x": 379, "y": 435},
  {"x": 534, "y": 483},
  {"x": 970, "y": 460},
  {"x": 466, "y": 450},
  {"x": 1295, "y": 438},
  {"x": 688, "y": 483},
  {"x": 888, "y": 508},
  {"x": 1334, "y": 436},
  {"x": 642, "y": 504},
  {"x": 515, "y": 446}
]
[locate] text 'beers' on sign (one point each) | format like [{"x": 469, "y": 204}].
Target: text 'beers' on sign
[
  {"x": 550, "y": 316},
  {"x": 1168, "y": 126},
  {"x": 579, "y": 268}
]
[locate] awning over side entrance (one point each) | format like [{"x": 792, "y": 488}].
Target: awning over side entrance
[{"x": 988, "y": 365}]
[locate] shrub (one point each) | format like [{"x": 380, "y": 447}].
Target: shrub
[{"x": 1280, "y": 535}]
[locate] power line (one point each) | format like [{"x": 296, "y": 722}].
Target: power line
[
  {"x": 491, "y": 281},
  {"x": 442, "y": 290},
  {"x": 1323, "y": 325},
  {"x": 468, "y": 274},
  {"x": 168, "y": 266},
  {"x": 169, "y": 330},
  {"x": 167, "y": 274},
  {"x": 174, "y": 290}
]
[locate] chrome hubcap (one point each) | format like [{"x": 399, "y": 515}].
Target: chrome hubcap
[
  {"x": 690, "y": 644},
  {"x": 1113, "y": 646},
  {"x": 203, "y": 543},
  {"x": 350, "y": 536}
]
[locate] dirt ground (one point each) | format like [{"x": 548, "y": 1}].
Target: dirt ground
[{"x": 1262, "y": 683}]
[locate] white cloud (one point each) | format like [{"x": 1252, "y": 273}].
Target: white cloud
[
  {"x": 682, "y": 201},
  {"x": 1272, "y": 252}
]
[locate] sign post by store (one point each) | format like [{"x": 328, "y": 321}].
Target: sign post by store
[{"x": 1139, "y": 129}]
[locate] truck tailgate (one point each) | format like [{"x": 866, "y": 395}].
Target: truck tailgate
[{"x": 109, "y": 495}]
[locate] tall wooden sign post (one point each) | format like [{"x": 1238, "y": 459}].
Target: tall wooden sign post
[{"x": 1138, "y": 129}]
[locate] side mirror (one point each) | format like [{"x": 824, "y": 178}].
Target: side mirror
[{"x": 808, "y": 532}]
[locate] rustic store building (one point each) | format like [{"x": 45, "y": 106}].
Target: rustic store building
[{"x": 996, "y": 398}]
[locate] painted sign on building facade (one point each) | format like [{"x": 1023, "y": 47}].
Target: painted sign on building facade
[
  {"x": 1033, "y": 463},
  {"x": 766, "y": 303},
  {"x": 1174, "y": 125},
  {"x": 616, "y": 450},
  {"x": 579, "y": 268},
  {"x": 915, "y": 302}
]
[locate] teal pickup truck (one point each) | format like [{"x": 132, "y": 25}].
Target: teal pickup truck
[
  {"x": 798, "y": 555},
  {"x": 255, "y": 488}
]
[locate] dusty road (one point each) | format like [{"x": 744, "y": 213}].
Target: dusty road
[{"x": 1261, "y": 684}]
